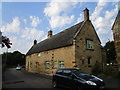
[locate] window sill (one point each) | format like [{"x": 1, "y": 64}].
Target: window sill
[{"x": 90, "y": 49}]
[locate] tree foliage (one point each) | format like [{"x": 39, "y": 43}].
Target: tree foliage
[
  {"x": 6, "y": 42},
  {"x": 13, "y": 59},
  {"x": 96, "y": 69},
  {"x": 110, "y": 51}
]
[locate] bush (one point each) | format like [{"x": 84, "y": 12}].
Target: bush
[
  {"x": 96, "y": 70},
  {"x": 111, "y": 71}
]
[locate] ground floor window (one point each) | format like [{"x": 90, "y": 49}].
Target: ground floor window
[
  {"x": 55, "y": 64},
  {"x": 47, "y": 64},
  {"x": 30, "y": 64},
  {"x": 89, "y": 61},
  {"x": 37, "y": 64},
  {"x": 61, "y": 64}
]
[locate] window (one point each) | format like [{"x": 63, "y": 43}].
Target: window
[
  {"x": 82, "y": 61},
  {"x": 89, "y": 61},
  {"x": 67, "y": 72},
  {"x": 37, "y": 64},
  {"x": 30, "y": 64},
  {"x": 61, "y": 64},
  {"x": 47, "y": 64},
  {"x": 55, "y": 64},
  {"x": 59, "y": 72},
  {"x": 39, "y": 54},
  {"x": 89, "y": 44}
]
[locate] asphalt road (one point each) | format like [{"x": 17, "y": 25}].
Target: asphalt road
[{"x": 22, "y": 79}]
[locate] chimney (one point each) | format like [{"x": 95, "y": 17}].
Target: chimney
[
  {"x": 86, "y": 14},
  {"x": 35, "y": 41},
  {"x": 49, "y": 33}
]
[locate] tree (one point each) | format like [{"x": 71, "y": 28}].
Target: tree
[
  {"x": 15, "y": 58},
  {"x": 110, "y": 51},
  {"x": 5, "y": 41}
]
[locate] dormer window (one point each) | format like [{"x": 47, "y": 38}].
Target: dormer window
[
  {"x": 39, "y": 54},
  {"x": 89, "y": 44}
]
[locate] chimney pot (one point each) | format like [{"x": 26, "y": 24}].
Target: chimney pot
[
  {"x": 35, "y": 42},
  {"x": 86, "y": 14},
  {"x": 49, "y": 33}
]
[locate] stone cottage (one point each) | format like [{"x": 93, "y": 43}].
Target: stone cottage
[
  {"x": 76, "y": 47},
  {"x": 116, "y": 34}
]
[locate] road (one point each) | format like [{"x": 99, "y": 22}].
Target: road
[{"x": 23, "y": 79}]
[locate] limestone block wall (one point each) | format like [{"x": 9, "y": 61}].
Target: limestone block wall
[
  {"x": 66, "y": 54},
  {"x": 116, "y": 33},
  {"x": 82, "y": 54}
]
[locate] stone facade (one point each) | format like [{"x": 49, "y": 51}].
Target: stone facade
[
  {"x": 86, "y": 58},
  {"x": 36, "y": 62},
  {"x": 116, "y": 34},
  {"x": 79, "y": 47}
]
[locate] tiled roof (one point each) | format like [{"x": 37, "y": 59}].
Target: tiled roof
[{"x": 62, "y": 39}]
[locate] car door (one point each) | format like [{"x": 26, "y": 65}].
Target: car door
[
  {"x": 58, "y": 77},
  {"x": 67, "y": 79}
]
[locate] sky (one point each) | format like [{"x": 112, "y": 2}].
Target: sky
[{"x": 23, "y": 22}]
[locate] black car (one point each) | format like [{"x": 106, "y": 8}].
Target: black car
[{"x": 76, "y": 79}]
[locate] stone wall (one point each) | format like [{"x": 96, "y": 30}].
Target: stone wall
[
  {"x": 82, "y": 54},
  {"x": 116, "y": 33},
  {"x": 76, "y": 55},
  {"x": 37, "y": 60}
]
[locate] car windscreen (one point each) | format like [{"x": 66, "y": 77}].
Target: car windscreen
[
  {"x": 80, "y": 73},
  {"x": 85, "y": 76},
  {"x": 77, "y": 71}
]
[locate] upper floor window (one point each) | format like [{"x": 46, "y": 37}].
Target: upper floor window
[
  {"x": 39, "y": 54},
  {"x": 89, "y": 44}
]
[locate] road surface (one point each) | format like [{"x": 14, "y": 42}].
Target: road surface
[{"x": 23, "y": 79}]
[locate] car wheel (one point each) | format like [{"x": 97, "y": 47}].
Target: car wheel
[{"x": 54, "y": 84}]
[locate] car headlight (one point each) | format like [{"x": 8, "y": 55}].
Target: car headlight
[{"x": 91, "y": 83}]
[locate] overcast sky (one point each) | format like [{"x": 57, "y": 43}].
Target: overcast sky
[{"x": 23, "y": 22}]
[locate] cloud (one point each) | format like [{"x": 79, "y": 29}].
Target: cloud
[
  {"x": 13, "y": 27},
  {"x": 25, "y": 21},
  {"x": 45, "y": 37},
  {"x": 98, "y": 10},
  {"x": 80, "y": 18},
  {"x": 35, "y": 21},
  {"x": 32, "y": 33},
  {"x": 59, "y": 21},
  {"x": 58, "y": 13},
  {"x": 103, "y": 24},
  {"x": 22, "y": 37}
]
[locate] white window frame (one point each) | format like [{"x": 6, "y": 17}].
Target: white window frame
[
  {"x": 89, "y": 44},
  {"x": 47, "y": 64},
  {"x": 61, "y": 64},
  {"x": 55, "y": 64}
]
